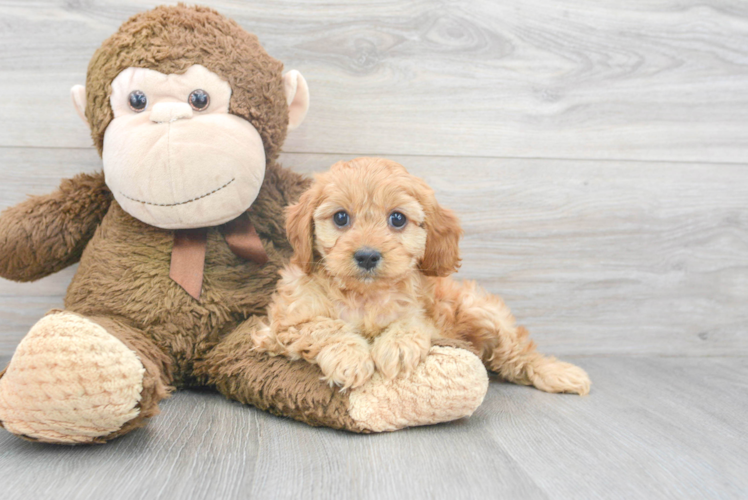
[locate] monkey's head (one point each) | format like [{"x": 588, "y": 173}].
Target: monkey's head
[{"x": 185, "y": 109}]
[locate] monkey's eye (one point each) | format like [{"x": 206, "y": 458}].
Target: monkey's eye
[
  {"x": 397, "y": 220},
  {"x": 199, "y": 100},
  {"x": 137, "y": 100},
  {"x": 341, "y": 219}
]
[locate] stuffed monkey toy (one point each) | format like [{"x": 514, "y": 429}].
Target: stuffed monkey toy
[{"x": 180, "y": 240}]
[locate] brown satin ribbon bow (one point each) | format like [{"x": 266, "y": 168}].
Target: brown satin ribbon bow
[{"x": 188, "y": 255}]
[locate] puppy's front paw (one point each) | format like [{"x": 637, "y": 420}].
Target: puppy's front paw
[
  {"x": 399, "y": 353},
  {"x": 345, "y": 365},
  {"x": 265, "y": 340}
]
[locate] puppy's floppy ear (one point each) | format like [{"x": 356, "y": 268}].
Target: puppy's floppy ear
[
  {"x": 442, "y": 256},
  {"x": 300, "y": 227}
]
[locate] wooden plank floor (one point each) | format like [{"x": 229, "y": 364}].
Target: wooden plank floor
[
  {"x": 597, "y": 154},
  {"x": 652, "y": 428}
]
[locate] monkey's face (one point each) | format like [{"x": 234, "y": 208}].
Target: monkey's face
[{"x": 174, "y": 157}]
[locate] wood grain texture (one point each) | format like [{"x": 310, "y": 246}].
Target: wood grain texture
[
  {"x": 651, "y": 428},
  {"x": 648, "y": 80},
  {"x": 594, "y": 257}
]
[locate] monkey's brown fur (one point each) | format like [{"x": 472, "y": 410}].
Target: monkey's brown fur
[{"x": 46, "y": 234}]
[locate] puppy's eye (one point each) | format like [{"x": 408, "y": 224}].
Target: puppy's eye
[
  {"x": 137, "y": 100},
  {"x": 199, "y": 100},
  {"x": 341, "y": 219},
  {"x": 398, "y": 220}
]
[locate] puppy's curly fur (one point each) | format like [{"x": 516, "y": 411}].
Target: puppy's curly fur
[{"x": 351, "y": 316}]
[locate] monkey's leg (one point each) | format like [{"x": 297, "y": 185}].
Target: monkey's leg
[
  {"x": 467, "y": 312},
  {"x": 449, "y": 384},
  {"x": 78, "y": 380}
]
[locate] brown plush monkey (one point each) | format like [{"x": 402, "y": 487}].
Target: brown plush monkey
[{"x": 180, "y": 240}]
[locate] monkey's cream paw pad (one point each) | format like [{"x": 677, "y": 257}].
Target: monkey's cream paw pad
[
  {"x": 449, "y": 384},
  {"x": 69, "y": 382}
]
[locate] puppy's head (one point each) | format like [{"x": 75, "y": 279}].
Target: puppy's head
[{"x": 368, "y": 219}]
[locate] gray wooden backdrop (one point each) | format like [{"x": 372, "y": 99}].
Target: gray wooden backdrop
[{"x": 596, "y": 152}]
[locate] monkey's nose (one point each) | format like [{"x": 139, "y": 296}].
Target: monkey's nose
[
  {"x": 367, "y": 258},
  {"x": 167, "y": 112}
]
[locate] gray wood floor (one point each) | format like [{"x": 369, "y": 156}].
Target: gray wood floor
[
  {"x": 597, "y": 155},
  {"x": 653, "y": 428}
]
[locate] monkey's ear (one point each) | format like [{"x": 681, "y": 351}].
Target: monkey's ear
[
  {"x": 297, "y": 97},
  {"x": 78, "y": 93}
]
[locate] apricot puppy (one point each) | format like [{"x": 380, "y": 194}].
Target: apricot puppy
[{"x": 367, "y": 286}]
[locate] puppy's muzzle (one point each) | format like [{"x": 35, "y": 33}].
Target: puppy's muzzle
[{"x": 367, "y": 258}]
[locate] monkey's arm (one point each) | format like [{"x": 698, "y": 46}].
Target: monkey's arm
[{"x": 45, "y": 234}]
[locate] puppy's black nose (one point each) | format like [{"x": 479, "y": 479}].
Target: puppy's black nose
[{"x": 368, "y": 259}]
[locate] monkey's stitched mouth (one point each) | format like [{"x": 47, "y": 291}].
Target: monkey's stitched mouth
[{"x": 178, "y": 203}]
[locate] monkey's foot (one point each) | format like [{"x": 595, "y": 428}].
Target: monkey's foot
[
  {"x": 70, "y": 382},
  {"x": 449, "y": 384}
]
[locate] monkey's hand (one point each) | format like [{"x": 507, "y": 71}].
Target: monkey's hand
[{"x": 45, "y": 234}]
